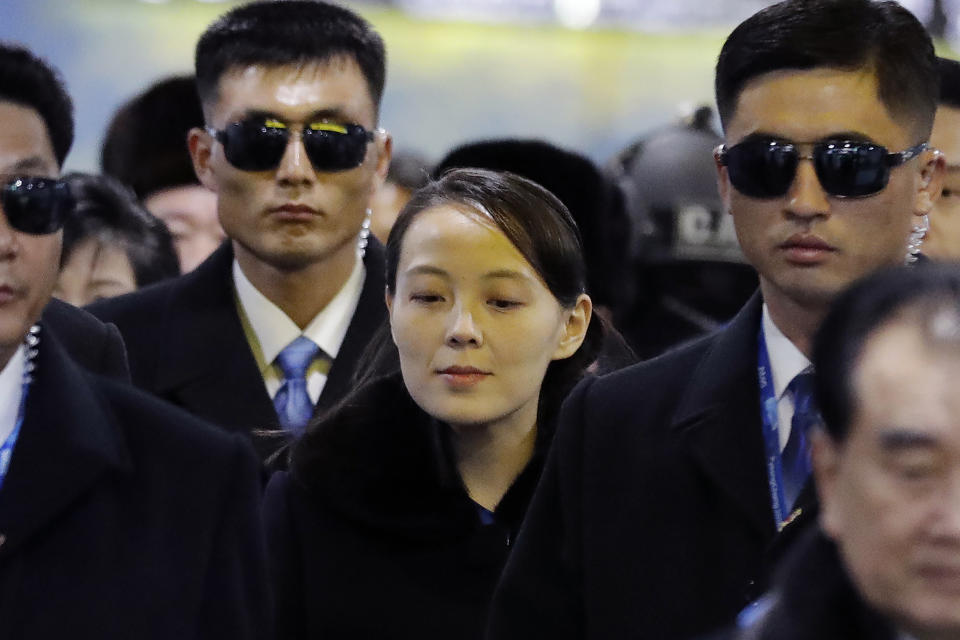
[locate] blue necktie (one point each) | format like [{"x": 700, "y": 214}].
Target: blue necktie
[
  {"x": 795, "y": 459},
  {"x": 292, "y": 401}
]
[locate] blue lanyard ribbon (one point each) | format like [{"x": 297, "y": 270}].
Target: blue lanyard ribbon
[
  {"x": 771, "y": 432},
  {"x": 6, "y": 450}
]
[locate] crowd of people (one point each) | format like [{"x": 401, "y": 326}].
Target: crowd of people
[{"x": 321, "y": 390}]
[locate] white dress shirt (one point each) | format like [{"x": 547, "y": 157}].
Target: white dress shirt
[
  {"x": 786, "y": 361},
  {"x": 11, "y": 389},
  {"x": 274, "y": 330}
]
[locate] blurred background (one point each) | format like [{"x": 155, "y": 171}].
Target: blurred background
[{"x": 591, "y": 75}]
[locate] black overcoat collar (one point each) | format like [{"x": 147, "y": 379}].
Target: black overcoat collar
[
  {"x": 68, "y": 441},
  {"x": 718, "y": 417}
]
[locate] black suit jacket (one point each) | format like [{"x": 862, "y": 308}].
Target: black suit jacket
[
  {"x": 186, "y": 344},
  {"x": 653, "y": 515},
  {"x": 122, "y": 517},
  {"x": 95, "y": 346}
]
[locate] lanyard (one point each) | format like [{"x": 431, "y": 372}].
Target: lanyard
[
  {"x": 771, "y": 431},
  {"x": 6, "y": 449}
]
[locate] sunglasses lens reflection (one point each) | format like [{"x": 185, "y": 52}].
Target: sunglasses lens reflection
[
  {"x": 36, "y": 206},
  {"x": 253, "y": 146},
  {"x": 763, "y": 169}
]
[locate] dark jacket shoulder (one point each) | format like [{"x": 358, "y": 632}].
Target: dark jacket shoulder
[
  {"x": 813, "y": 599},
  {"x": 95, "y": 346}
]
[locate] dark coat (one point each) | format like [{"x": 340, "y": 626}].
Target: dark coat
[
  {"x": 122, "y": 517},
  {"x": 379, "y": 539},
  {"x": 185, "y": 343},
  {"x": 814, "y": 599},
  {"x": 653, "y": 515},
  {"x": 95, "y": 346}
]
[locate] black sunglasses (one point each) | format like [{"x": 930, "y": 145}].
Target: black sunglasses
[
  {"x": 846, "y": 168},
  {"x": 259, "y": 144},
  {"x": 37, "y": 206}
]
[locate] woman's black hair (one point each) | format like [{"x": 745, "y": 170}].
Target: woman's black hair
[
  {"x": 912, "y": 294},
  {"x": 540, "y": 227},
  {"x": 108, "y": 212}
]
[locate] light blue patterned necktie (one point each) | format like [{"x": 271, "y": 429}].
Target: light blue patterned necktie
[
  {"x": 292, "y": 401},
  {"x": 795, "y": 458}
]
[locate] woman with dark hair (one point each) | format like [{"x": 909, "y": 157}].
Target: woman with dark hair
[
  {"x": 111, "y": 244},
  {"x": 399, "y": 508}
]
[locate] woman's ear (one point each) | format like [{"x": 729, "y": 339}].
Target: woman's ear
[
  {"x": 388, "y": 298},
  {"x": 574, "y": 330}
]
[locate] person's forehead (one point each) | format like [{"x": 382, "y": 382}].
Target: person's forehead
[
  {"x": 946, "y": 134},
  {"x": 813, "y": 104},
  {"x": 297, "y": 91},
  {"x": 25, "y": 146},
  {"x": 903, "y": 380}
]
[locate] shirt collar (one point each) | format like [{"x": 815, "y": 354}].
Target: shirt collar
[
  {"x": 786, "y": 361},
  {"x": 11, "y": 386},
  {"x": 275, "y": 330}
]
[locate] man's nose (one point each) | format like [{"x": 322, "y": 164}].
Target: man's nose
[
  {"x": 9, "y": 242},
  {"x": 807, "y": 197},
  {"x": 295, "y": 166}
]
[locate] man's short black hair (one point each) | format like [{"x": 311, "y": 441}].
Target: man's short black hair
[
  {"x": 918, "y": 295},
  {"x": 284, "y": 32},
  {"x": 146, "y": 143},
  {"x": 880, "y": 36},
  {"x": 949, "y": 82},
  {"x": 27, "y": 80}
]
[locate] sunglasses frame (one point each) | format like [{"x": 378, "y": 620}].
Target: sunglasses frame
[
  {"x": 890, "y": 160},
  {"x": 60, "y": 200},
  {"x": 221, "y": 136}
]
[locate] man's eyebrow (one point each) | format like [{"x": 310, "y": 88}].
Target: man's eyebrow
[
  {"x": 856, "y": 136},
  {"x": 33, "y": 163},
  {"x": 329, "y": 113},
  {"x": 897, "y": 439}
]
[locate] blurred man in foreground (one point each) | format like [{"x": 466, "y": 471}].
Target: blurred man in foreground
[{"x": 886, "y": 563}]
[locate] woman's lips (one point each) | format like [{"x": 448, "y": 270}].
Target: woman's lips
[{"x": 462, "y": 377}]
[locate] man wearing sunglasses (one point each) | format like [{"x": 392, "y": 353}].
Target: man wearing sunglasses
[
  {"x": 669, "y": 481},
  {"x": 120, "y": 516},
  {"x": 269, "y": 329}
]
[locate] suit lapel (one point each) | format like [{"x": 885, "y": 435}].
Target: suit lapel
[
  {"x": 67, "y": 442},
  {"x": 208, "y": 367},
  {"x": 370, "y": 314},
  {"x": 719, "y": 419}
]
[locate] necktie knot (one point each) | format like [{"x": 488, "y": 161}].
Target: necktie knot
[
  {"x": 296, "y": 357},
  {"x": 292, "y": 401}
]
